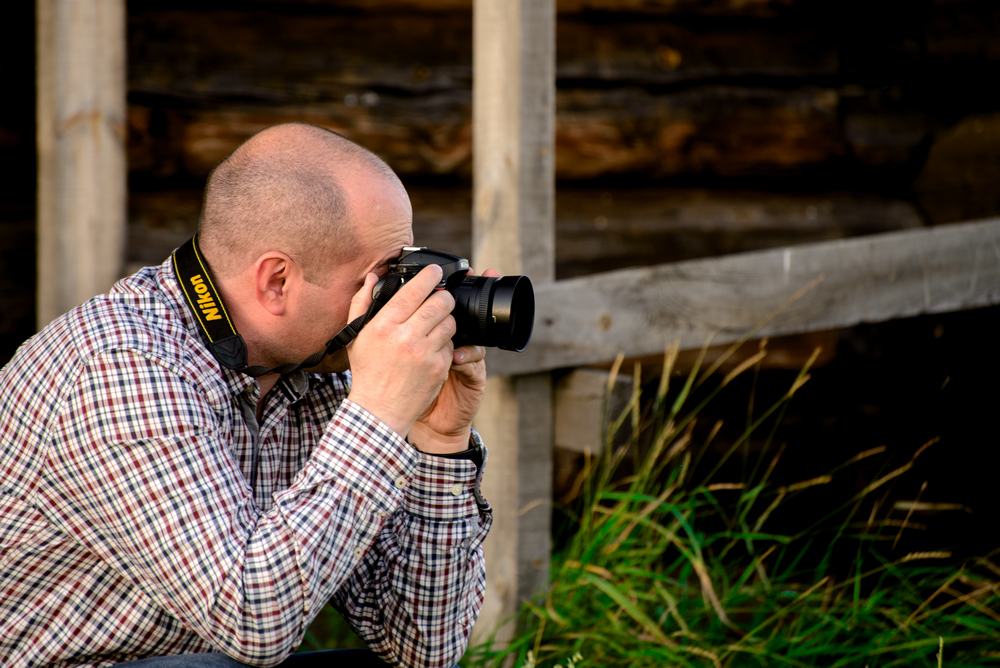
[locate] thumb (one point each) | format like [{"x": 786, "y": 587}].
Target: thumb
[{"x": 362, "y": 298}]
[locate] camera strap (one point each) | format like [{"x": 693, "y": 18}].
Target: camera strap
[{"x": 224, "y": 342}]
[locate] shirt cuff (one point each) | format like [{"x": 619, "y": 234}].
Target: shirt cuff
[
  {"x": 445, "y": 490},
  {"x": 368, "y": 456}
]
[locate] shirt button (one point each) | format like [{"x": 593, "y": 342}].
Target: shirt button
[
  {"x": 456, "y": 490},
  {"x": 400, "y": 482},
  {"x": 359, "y": 553}
]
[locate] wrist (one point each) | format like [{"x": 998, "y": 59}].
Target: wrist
[
  {"x": 397, "y": 424},
  {"x": 431, "y": 442}
]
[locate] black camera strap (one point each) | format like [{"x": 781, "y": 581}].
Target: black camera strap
[{"x": 225, "y": 343}]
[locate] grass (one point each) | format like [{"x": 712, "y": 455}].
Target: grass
[{"x": 671, "y": 564}]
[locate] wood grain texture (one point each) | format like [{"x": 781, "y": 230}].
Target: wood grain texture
[
  {"x": 715, "y": 131},
  {"x": 81, "y": 151},
  {"x": 867, "y": 279},
  {"x": 583, "y": 408},
  {"x": 961, "y": 178},
  {"x": 703, "y": 7},
  {"x": 513, "y": 231},
  {"x": 274, "y": 57}
]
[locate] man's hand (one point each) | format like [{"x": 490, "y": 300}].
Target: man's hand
[
  {"x": 445, "y": 420},
  {"x": 446, "y": 424},
  {"x": 402, "y": 357}
]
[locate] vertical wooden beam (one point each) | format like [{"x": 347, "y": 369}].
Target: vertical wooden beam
[
  {"x": 514, "y": 232},
  {"x": 81, "y": 150}
]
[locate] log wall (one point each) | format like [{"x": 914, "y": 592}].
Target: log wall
[{"x": 683, "y": 129}]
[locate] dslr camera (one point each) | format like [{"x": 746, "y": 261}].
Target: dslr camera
[{"x": 494, "y": 312}]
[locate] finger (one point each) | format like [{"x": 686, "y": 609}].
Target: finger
[
  {"x": 412, "y": 295},
  {"x": 441, "y": 333},
  {"x": 470, "y": 374},
  {"x": 362, "y": 298},
  {"x": 433, "y": 316},
  {"x": 490, "y": 273},
  {"x": 468, "y": 354}
]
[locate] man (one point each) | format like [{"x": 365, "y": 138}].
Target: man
[{"x": 154, "y": 502}]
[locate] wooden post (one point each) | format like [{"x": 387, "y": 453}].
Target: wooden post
[
  {"x": 81, "y": 151},
  {"x": 514, "y": 232}
]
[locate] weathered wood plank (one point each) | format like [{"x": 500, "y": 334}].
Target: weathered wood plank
[
  {"x": 763, "y": 8},
  {"x": 719, "y": 130},
  {"x": 81, "y": 151},
  {"x": 614, "y": 228},
  {"x": 867, "y": 279},
  {"x": 513, "y": 231},
  {"x": 583, "y": 407},
  {"x": 961, "y": 178},
  {"x": 644, "y": 50},
  {"x": 287, "y": 58}
]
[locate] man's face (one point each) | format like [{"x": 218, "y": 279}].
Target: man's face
[{"x": 383, "y": 219}]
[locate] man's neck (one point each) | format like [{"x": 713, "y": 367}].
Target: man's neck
[{"x": 267, "y": 383}]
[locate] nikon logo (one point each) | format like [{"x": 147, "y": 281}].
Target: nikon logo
[{"x": 205, "y": 301}]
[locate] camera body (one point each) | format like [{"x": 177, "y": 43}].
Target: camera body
[{"x": 489, "y": 311}]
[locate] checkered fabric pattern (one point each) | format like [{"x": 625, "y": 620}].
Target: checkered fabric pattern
[{"x": 128, "y": 528}]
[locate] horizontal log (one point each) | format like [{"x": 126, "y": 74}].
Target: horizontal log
[
  {"x": 960, "y": 179},
  {"x": 292, "y": 58},
  {"x": 644, "y": 50},
  {"x": 804, "y": 288},
  {"x": 716, "y": 130},
  {"x": 760, "y": 8},
  {"x": 601, "y": 230},
  {"x": 596, "y": 229},
  {"x": 287, "y": 58},
  {"x": 429, "y": 135}
]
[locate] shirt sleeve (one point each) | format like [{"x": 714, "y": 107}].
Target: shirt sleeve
[
  {"x": 139, "y": 473},
  {"x": 418, "y": 590}
]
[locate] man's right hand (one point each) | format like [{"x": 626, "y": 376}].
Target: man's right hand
[{"x": 401, "y": 358}]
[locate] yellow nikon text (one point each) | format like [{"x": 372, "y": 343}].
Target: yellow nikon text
[{"x": 205, "y": 301}]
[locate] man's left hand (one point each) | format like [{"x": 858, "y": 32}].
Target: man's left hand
[{"x": 446, "y": 425}]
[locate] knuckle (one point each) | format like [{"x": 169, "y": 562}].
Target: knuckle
[
  {"x": 448, "y": 299},
  {"x": 449, "y": 326}
]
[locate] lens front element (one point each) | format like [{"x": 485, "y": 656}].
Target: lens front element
[{"x": 496, "y": 312}]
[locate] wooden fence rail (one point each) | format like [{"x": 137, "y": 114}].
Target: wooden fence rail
[{"x": 782, "y": 291}]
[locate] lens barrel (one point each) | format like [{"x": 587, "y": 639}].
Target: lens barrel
[{"x": 494, "y": 312}]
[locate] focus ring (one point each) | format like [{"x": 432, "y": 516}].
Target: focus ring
[{"x": 484, "y": 310}]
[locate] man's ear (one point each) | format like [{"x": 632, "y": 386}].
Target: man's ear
[{"x": 275, "y": 277}]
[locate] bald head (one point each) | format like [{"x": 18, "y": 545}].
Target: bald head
[{"x": 282, "y": 190}]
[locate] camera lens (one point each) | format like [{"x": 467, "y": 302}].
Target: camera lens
[{"x": 496, "y": 312}]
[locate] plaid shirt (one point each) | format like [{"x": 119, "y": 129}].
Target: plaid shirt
[{"x": 128, "y": 528}]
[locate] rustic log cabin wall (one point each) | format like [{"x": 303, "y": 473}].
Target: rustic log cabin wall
[{"x": 682, "y": 129}]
